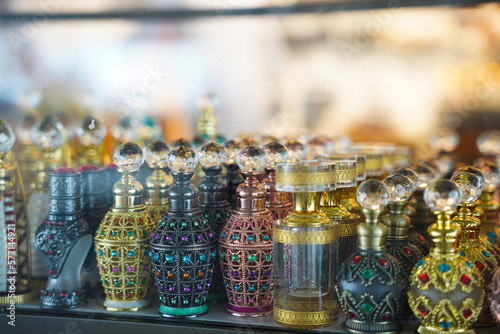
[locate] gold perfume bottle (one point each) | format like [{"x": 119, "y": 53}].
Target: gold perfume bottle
[
  {"x": 207, "y": 122},
  {"x": 446, "y": 289},
  {"x": 305, "y": 249},
  {"x": 156, "y": 197},
  {"x": 122, "y": 239},
  {"x": 90, "y": 146},
  {"x": 14, "y": 243},
  {"x": 29, "y": 154}
]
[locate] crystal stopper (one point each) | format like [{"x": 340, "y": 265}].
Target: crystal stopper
[
  {"x": 276, "y": 154},
  {"x": 181, "y": 142},
  {"x": 24, "y": 129},
  {"x": 425, "y": 175},
  {"x": 490, "y": 172},
  {"x": 400, "y": 188},
  {"x": 232, "y": 148},
  {"x": 126, "y": 129},
  {"x": 211, "y": 155},
  {"x": 156, "y": 154},
  {"x": 444, "y": 139},
  {"x": 296, "y": 151},
  {"x": 251, "y": 159},
  {"x": 7, "y": 137},
  {"x": 182, "y": 160},
  {"x": 409, "y": 173},
  {"x": 49, "y": 133},
  {"x": 488, "y": 142},
  {"x": 316, "y": 147},
  {"x": 470, "y": 184},
  {"x": 443, "y": 195},
  {"x": 128, "y": 157},
  {"x": 372, "y": 195},
  {"x": 91, "y": 132}
]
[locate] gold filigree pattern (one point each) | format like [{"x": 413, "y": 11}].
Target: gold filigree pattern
[
  {"x": 303, "y": 318},
  {"x": 299, "y": 179},
  {"x": 347, "y": 229},
  {"x": 306, "y": 237}
]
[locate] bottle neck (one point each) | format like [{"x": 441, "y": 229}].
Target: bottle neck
[
  {"x": 307, "y": 202},
  {"x": 251, "y": 194},
  {"x": 469, "y": 224},
  {"x": 274, "y": 198},
  {"x": 183, "y": 196},
  {"x": 127, "y": 194},
  {"x": 372, "y": 235},
  {"x": 213, "y": 189},
  {"x": 397, "y": 223},
  {"x": 445, "y": 235},
  {"x": 157, "y": 188}
]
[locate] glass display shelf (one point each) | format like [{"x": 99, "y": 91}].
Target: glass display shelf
[
  {"x": 92, "y": 317},
  {"x": 130, "y": 10}
]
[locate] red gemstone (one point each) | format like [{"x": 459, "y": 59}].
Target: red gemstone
[
  {"x": 51, "y": 236},
  {"x": 62, "y": 223},
  {"x": 355, "y": 260},
  {"x": 52, "y": 271},
  {"x": 422, "y": 309},
  {"x": 117, "y": 295},
  {"x": 50, "y": 294},
  {"x": 63, "y": 294},
  {"x": 467, "y": 312},
  {"x": 479, "y": 265},
  {"x": 421, "y": 238},
  {"x": 383, "y": 262},
  {"x": 386, "y": 317},
  {"x": 76, "y": 293},
  {"x": 408, "y": 251},
  {"x": 465, "y": 279},
  {"x": 51, "y": 251},
  {"x": 351, "y": 315},
  {"x": 424, "y": 278}
]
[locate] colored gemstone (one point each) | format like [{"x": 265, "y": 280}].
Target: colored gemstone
[
  {"x": 467, "y": 312},
  {"x": 266, "y": 237},
  {"x": 223, "y": 235},
  {"x": 155, "y": 257},
  {"x": 421, "y": 238},
  {"x": 130, "y": 282},
  {"x": 186, "y": 289},
  {"x": 264, "y": 287},
  {"x": 444, "y": 267},
  {"x": 462, "y": 253},
  {"x": 203, "y": 257},
  {"x": 169, "y": 258},
  {"x": 197, "y": 300},
  {"x": 186, "y": 259},
  {"x": 251, "y": 288},
  {"x": 266, "y": 273},
  {"x": 130, "y": 233},
  {"x": 222, "y": 255},
  {"x": 131, "y": 253},
  {"x": 386, "y": 317},
  {"x": 114, "y": 233},
  {"x": 236, "y": 287},
  {"x": 251, "y": 257},
  {"x": 383, "y": 262},
  {"x": 234, "y": 257},
  {"x": 200, "y": 237},
  {"x": 186, "y": 275},
  {"x": 184, "y": 238},
  {"x": 424, "y": 278},
  {"x": 250, "y": 238},
  {"x": 367, "y": 307},
  {"x": 117, "y": 282},
  {"x": 251, "y": 274},
  {"x": 445, "y": 325},
  {"x": 234, "y": 237},
  {"x": 184, "y": 224},
  {"x": 367, "y": 273},
  {"x": 268, "y": 257},
  {"x": 101, "y": 252},
  {"x": 355, "y": 260},
  {"x": 492, "y": 235},
  {"x": 479, "y": 265},
  {"x": 213, "y": 254},
  {"x": 469, "y": 264},
  {"x": 422, "y": 309},
  {"x": 170, "y": 274},
  {"x": 174, "y": 301},
  {"x": 408, "y": 251},
  {"x": 351, "y": 315},
  {"x": 465, "y": 279},
  {"x": 201, "y": 273},
  {"x": 236, "y": 274},
  {"x": 486, "y": 253}
]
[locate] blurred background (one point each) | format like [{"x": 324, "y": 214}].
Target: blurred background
[{"x": 387, "y": 74}]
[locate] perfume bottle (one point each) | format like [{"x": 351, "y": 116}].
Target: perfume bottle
[
  {"x": 207, "y": 122},
  {"x": 446, "y": 290},
  {"x": 471, "y": 246},
  {"x": 63, "y": 241},
  {"x": 90, "y": 136},
  {"x": 214, "y": 206},
  {"x": 490, "y": 228},
  {"x": 122, "y": 239},
  {"x": 371, "y": 282},
  {"x": 48, "y": 135},
  {"x": 156, "y": 197},
  {"x": 346, "y": 174},
  {"x": 94, "y": 208},
  {"x": 423, "y": 217},
  {"x": 305, "y": 249},
  {"x": 398, "y": 244},
  {"x": 278, "y": 203},
  {"x": 296, "y": 151},
  {"x": 183, "y": 245},
  {"x": 348, "y": 198},
  {"x": 246, "y": 242},
  {"x": 14, "y": 242},
  {"x": 29, "y": 155},
  {"x": 233, "y": 173}
]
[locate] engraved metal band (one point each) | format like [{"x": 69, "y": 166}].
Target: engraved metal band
[
  {"x": 305, "y": 318},
  {"x": 305, "y": 237}
]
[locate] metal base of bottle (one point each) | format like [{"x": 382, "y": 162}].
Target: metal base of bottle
[
  {"x": 112, "y": 305},
  {"x": 240, "y": 311},
  {"x": 361, "y": 327},
  {"x": 178, "y": 312},
  {"x": 427, "y": 330}
]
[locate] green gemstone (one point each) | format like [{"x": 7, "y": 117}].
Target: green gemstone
[
  {"x": 217, "y": 215},
  {"x": 234, "y": 257},
  {"x": 102, "y": 232},
  {"x": 207, "y": 215},
  {"x": 197, "y": 300},
  {"x": 114, "y": 233},
  {"x": 116, "y": 282},
  {"x": 130, "y": 233},
  {"x": 268, "y": 257},
  {"x": 144, "y": 232},
  {"x": 172, "y": 224},
  {"x": 222, "y": 255},
  {"x": 196, "y": 224},
  {"x": 185, "y": 301},
  {"x": 367, "y": 273},
  {"x": 251, "y": 258},
  {"x": 105, "y": 281},
  {"x": 367, "y": 307},
  {"x": 184, "y": 224},
  {"x": 130, "y": 282},
  {"x": 174, "y": 301},
  {"x": 143, "y": 281}
]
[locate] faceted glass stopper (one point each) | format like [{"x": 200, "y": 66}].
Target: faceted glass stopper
[
  {"x": 400, "y": 188},
  {"x": 409, "y": 173},
  {"x": 128, "y": 157},
  {"x": 488, "y": 142},
  {"x": 296, "y": 151},
  {"x": 372, "y": 195},
  {"x": 127, "y": 129},
  {"x": 343, "y": 144},
  {"x": 49, "y": 133},
  {"x": 24, "y": 129},
  {"x": 470, "y": 184},
  {"x": 444, "y": 139},
  {"x": 472, "y": 170},
  {"x": 276, "y": 154},
  {"x": 251, "y": 159},
  {"x": 156, "y": 154},
  {"x": 91, "y": 132},
  {"x": 182, "y": 160},
  {"x": 181, "y": 142},
  {"x": 211, "y": 155},
  {"x": 7, "y": 137},
  {"x": 490, "y": 172},
  {"x": 232, "y": 148},
  {"x": 316, "y": 147},
  {"x": 425, "y": 175},
  {"x": 247, "y": 141},
  {"x": 443, "y": 195}
]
